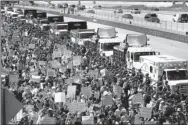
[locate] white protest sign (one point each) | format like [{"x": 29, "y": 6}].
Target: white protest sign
[
  {"x": 76, "y": 60},
  {"x": 60, "y": 97},
  {"x": 86, "y": 91},
  {"x": 93, "y": 73},
  {"x": 145, "y": 112},
  {"x": 56, "y": 54},
  {"x": 71, "y": 92},
  {"x": 77, "y": 107},
  {"x": 137, "y": 99},
  {"x": 31, "y": 46},
  {"x": 107, "y": 100},
  {"x": 117, "y": 90},
  {"x": 89, "y": 120},
  {"x": 51, "y": 72}
]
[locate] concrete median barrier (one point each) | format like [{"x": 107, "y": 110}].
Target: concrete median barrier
[{"x": 149, "y": 31}]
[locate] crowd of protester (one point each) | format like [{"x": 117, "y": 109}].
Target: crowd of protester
[{"x": 19, "y": 59}]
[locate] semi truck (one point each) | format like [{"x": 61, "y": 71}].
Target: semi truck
[
  {"x": 80, "y": 36},
  {"x": 169, "y": 68},
  {"x": 60, "y": 29}
]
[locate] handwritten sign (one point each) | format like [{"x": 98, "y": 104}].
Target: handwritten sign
[
  {"x": 117, "y": 90},
  {"x": 146, "y": 112},
  {"x": 77, "y": 107},
  {"x": 89, "y": 120},
  {"x": 60, "y": 97},
  {"x": 86, "y": 91},
  {"x": 107, "y": 100},
  {"x": 76, "y": 60},
  {"x": 137, "y": 99},
  {"x": 71, "y": 92},
  {"x": 51, "y": 72}
]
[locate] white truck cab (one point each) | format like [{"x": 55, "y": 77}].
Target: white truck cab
[
  {"x": 106, "y": 46},
  {"x": 81, "y": 35},
  {"x": 133, "y": 56},
  {"x": 171, "y": 69},
  {"x": 59, "y": 28}
]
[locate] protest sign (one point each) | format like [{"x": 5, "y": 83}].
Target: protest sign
[
  {"x": 69, "y": 81},
  {"x": 31, "y": 46},
  {"x": 93, "y": 73},
  {"x": 137, "y": 99},
  {"x": 13, "y": 78},
  {"x": 86, "y": 91},
  {"x": 117, "y": 90},
  {"x": 35, "y": 78},
  {"x": 76, "y": 60},
  {"x": 70, "y": 65},
  {"x": 146, "y": 112},
  {"x": 42, "y": 63},
  {"x": 96, "y": 94},
  {"x": 51, "y": 72},
  {"x": 76, "y": 79},
  {"x": 55, "y": 64},
  {"x": 60, "y": 97},
  {"x": 71, "y": 91},
  {"x": 89, "y": 120},
  {"x": 62, "y": 69},
  {"x": 56, "y": 54},
  {"x": 107, "y": 100},
  {"x": 77, "y": 107}
]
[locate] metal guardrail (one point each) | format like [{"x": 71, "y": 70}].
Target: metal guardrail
[{"x": 114, "y": 22}]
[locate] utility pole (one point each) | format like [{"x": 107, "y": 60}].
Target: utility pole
[
  {"x": 79, "y": 2},
  {"x": 94, "y": 2}
]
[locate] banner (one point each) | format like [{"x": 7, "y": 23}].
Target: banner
[
  {"x": 77, "y": 107},
  {"x": 77, "y": 60},
  {"x": 60, "y": 97},
  {"x": 117, "y": 90},
  {"x": 86, "y": 91},
  {"x": 145, "y": 112},
  {"x": 107, "y": 100},
  {"x": 89, "y": 120},
  {"x": 71, "y": 91},
  {"x": 137, "y": 99},
  {"x": 51, "y": 72}
]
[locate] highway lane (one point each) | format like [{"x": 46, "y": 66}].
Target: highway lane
[
  {"x": 164, "y": 46},
  {"x": 174, "y": 27}
]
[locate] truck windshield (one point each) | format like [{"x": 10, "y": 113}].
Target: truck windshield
[
  {"x": 62, "y": 27},
  {"x": 109, "y": 46},
  {"x": 138, "y": 54},
  {"x": 86, "y": 35},
  {"x": 177, "y": 75}
]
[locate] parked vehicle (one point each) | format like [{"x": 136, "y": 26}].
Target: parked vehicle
[
  {"x": 152, "y": 17},
  {"x": 119, "y": 10},
  {"x": 135, "y": 11},
  {"x": 10, "y": 9},
  {"x": 91, "y": 11},
  {"x": 181, "y": 18},
  {"x": 19, "y": 11},
  {"x": 97, "y": 7},
  {"x": 127, "y": 16}
]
